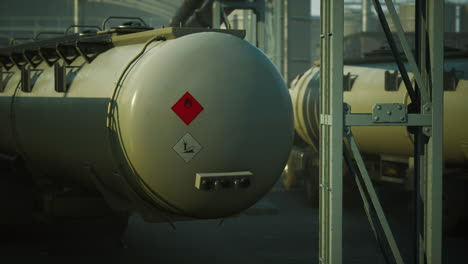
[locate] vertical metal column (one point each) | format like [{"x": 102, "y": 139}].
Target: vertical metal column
[
  {"x": 79, "y": 7},
  {"x": 76, "y": 14},
  {"x": 425, "y": 116},
  {"x": 419, "y": 137},
  {"x": 434, "y": 160},
  {"x": 366, "y": 15},
  {"x": 278, "y": 14},
  {"x": 331, "y": 131},
  {"x": 429, "y": 140},
  {"x": 216, "y": 9},
  {"x": 285, "y": 41},
  {"x": 260, "y": 14}
]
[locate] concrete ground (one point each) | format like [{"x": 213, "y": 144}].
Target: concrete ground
[{"x": 281, "y": 228}]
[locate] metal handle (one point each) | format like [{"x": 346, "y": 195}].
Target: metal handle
[
  {"x": 121, "y": 17},
  {"x": 47, "y": 33},
  {"x": 80, "y": 26},
  {"x": 14, "y": 40}
]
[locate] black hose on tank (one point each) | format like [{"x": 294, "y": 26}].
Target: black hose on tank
[{"x": 395, "y": 52}]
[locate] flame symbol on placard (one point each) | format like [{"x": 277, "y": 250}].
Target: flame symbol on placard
[{"x": 188, "y": 103}]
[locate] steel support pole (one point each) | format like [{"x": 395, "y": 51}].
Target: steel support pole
[
  {"x": 285, "y": 41},
  {"x": 260, "y": 14},
  {"x": 216, "y": 15},
  {"x": 434, "y": 160},
  {"x": 419, "y": 137},
  {"x": 76, "y": 14},
  {"x": 366, "y": 14},
  {"x": 278, "y": 13},
  {"x": 331, "y": 132},
  {"x": 79, "y": 7},
  {"x": 429, "y": 140}
]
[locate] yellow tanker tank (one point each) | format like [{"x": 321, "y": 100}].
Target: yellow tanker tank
[
  {"x": 368, "y": 84},
  {"x": 170, "y": 123},
  {"x": 371, "y": 77}
]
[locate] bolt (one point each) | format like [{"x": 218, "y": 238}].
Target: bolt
[
  {"x": 427, "y": 108},
  {"x": 379, "y": 107},
  {"x": 426, "y": 129},
  {"x": 345, "y": 108},
  {"x": 389, "y": 112},
  {"x": 402, "y": 118},
  {"x": 330, "y": 34},
  {"x": 236, "y": 184},
  {"x": 399, "y": 107},
  {"x": 376, "y": 118},
  {"x": 322, "y": 36},
  {"x": 204, "y": 184},
  {"x": 217, "y": 185},
  {"x": 244, "y": 182}
]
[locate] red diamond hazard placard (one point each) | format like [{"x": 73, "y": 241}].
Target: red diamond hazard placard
[{"x": 187, "y": 108}]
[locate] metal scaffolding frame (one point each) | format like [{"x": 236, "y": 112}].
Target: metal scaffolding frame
[{"x": 424, "y": 116}]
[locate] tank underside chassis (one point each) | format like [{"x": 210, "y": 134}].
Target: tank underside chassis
[
  {"x": 302, "y": 170},
  {"x": 393, "y": 173},
  {"x": 39, "y": 209}
]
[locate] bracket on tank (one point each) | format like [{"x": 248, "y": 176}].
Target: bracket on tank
[
  {"x": 5, "y": 76},
  {"x": 49, "y": 55},
  {"x": 67, "y": 52},
  {"x": 18, "y": 59},
  {"x": 67, "y": 47},
  {"x": 62, "y": 78},
  {"x": 393, "y": 80},
  {"x": 60, "y": 73},
  {"x": 90, "y": 48},
  {"x": 348, "y": 81},
  {"x": 6, "y": 62},
  {"x": 27, "y": 81},
  {"x": 33, "y": 57}
]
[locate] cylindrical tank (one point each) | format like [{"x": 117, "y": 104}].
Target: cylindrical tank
[
  {"x": 367, "y": 89},
  {"x": 153, "y": 124}
]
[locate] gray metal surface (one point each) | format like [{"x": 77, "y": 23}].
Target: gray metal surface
[
  {"x": 433, "y": 160},
  {"x": 331, "y": 135},
  {"x": 428, "y": 156}
]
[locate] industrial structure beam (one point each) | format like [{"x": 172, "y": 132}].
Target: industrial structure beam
[
  {"x": 331, "y": 133},
  {"x": 433, "y": 160},
  {"x": 424, "y": 116}
]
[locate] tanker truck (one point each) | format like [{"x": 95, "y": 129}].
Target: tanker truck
[
  {"x": 388, "y": 151},
  {"x": 173, "y": 124}
]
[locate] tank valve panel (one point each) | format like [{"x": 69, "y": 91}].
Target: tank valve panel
[{"x": 223, "y": 180}]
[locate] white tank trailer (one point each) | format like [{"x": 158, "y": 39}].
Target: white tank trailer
[{"x": 173, "y": 124}]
